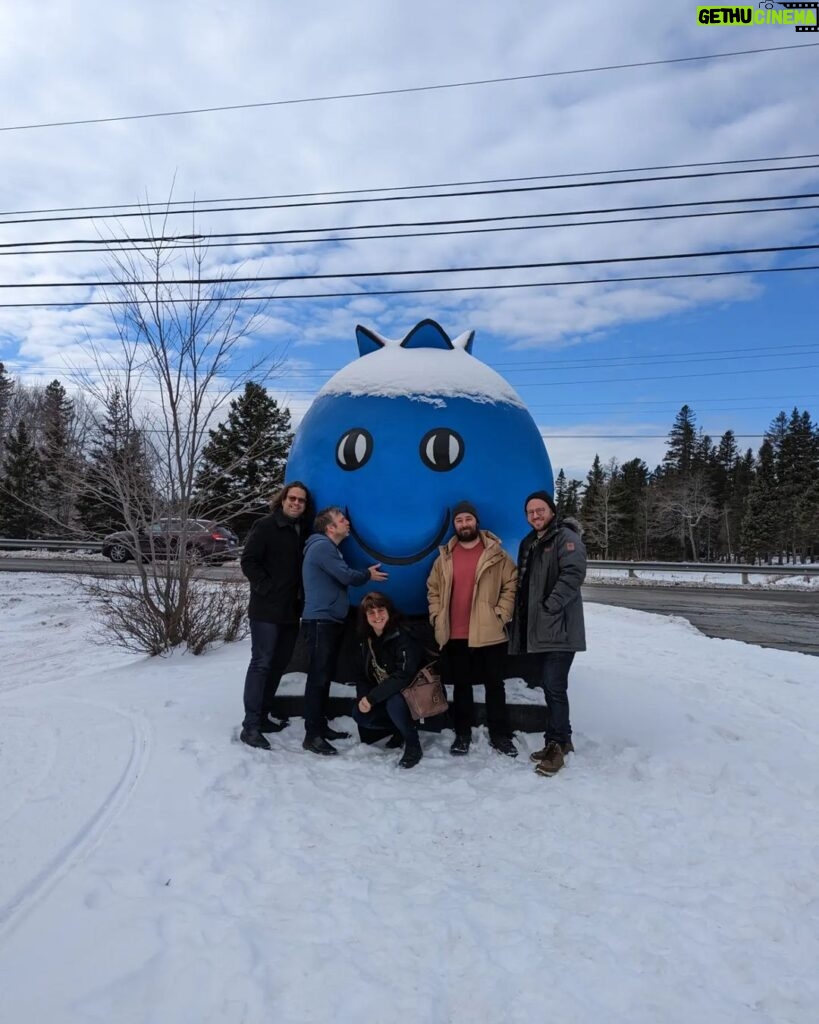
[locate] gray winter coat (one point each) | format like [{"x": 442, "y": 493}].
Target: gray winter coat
[
  {"x": 326, "y": 577},
  {"x": 549, "y": 608}
]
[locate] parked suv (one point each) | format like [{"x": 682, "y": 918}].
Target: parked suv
[{"x": 204, "y": 541}]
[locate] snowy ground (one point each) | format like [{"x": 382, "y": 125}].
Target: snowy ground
[{"x": 154, "y": 870}]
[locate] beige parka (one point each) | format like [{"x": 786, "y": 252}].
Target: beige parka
[{"x": 493, "y": 598}]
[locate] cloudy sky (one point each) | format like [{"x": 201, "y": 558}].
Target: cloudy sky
[{"x": 597, "y": 363}]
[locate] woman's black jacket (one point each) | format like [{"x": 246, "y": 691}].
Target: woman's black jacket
[
  {"x": 271, "y": 560},
  {"x": 399, "y": 654}
]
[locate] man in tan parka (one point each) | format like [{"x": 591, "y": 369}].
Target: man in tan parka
[{"x": 471, "y": 593}]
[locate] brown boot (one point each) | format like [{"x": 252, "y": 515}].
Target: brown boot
[
  {"x": 552, "y": 761},
  {"x": 538, "y": 755}
]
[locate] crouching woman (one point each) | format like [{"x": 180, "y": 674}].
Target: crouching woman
[{"x": 392, "y": 658}]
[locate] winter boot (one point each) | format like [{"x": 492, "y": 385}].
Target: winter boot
[
  {"x": 461, "y": 745},
  {"x": 254, "y": 738},
  {"x": 552, "y": 761},
  {"x": 538, "y": 755},
  {"x": 412, "y": 755},
  {"x": 503, "y": 745}
]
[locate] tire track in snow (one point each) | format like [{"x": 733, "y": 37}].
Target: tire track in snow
[{"x": 84, "y": 841}]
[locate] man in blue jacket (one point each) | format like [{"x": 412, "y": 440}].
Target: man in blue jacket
[{"x": 326, "y": 577}]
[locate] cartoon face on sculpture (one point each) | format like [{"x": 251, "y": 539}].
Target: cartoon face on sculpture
[{"x": 399, "y": 436}]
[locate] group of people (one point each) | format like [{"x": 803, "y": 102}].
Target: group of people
[{"x": 483, "y": 606}]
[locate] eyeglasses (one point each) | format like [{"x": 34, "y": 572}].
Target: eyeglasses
[{"x": 536, "y": 512}]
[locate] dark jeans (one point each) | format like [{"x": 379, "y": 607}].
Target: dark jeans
[
  {"x": 385, "y": 719},
  {"x": 322, "y": 641},
  {"x": 555, "y": 682},
  {"x": 271, "y": 648},
  {"x": 463, "y": 667}
]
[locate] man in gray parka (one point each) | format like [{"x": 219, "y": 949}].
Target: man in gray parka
[{"x": 548, "y": 623}]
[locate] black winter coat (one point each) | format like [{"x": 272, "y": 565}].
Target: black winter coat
[
  {"x": 399, "y": 654},
  {"x": 549, "y": 608},
  {"x": 271, "y": 560}
]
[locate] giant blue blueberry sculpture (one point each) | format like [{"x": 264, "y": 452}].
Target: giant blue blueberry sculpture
[{"x": 400, "y": 435}]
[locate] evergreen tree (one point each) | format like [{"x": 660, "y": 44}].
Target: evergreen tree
[
  {"x": 572, "y": 504},
  {"x": 797, "y": 464},
  {"x": 243, "y": 462},
  {"x": 117, "y": 490},
  {"x": 560, "y": 494},
  {"x": 60, "y": 461},
  {"x": 682, "y": 443},
  {"x": 760, "y": 524},
  {"x": 630, "y": 535},
  {"x": 22, "y": 486},
  {"x": 599, "y": 508},
  {"x": 6, "y": 389}
]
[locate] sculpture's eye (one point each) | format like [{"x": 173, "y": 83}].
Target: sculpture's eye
[
  {"x": 441, "y": 449},
  {"x": 354, "y": 448}
]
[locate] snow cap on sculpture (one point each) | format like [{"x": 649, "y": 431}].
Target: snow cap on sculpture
[{"x": 399, "y": 436}]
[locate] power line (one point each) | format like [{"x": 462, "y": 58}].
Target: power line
[
  {"x": 587, "y": 362},
  {"x": 161, "y": 206},
  {"x": 205, "y": 238},
  {"x": 403, "y": 91},
  {"x": 427, "y": 291},
  {"x": 425, "y": 195},
  {"x": 407, "y": 234},
  {"x": 266, "y": 278}
]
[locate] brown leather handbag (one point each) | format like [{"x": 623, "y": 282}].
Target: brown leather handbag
[{"x": 425, "y": 695}]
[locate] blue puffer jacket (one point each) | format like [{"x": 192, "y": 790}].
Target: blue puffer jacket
[{"x": 326, "y": 577}]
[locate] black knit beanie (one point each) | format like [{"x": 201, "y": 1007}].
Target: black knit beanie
[
  {"x": 544, "y": 496},
  {"x": 464, "y": 506}
]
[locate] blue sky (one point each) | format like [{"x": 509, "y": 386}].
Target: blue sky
[{"x": 567, "y": 349}]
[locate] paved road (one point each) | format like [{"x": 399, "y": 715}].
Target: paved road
[{"x": 786, "y": 619}]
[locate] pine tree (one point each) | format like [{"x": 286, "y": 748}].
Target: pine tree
[
  {"x": 22, "y": 486},
  {"x": 60, "y": 461},
  {"x": 560, "y": 494},
  {"x": 118, "y": 484},
  {"x": 6, "y": 389},
  {"x": 682, "y": 443},
  {"x": 572, "y": 504},
  {"x": 797, "y": 464},
  {"x": 243, "y": 462},
  {"x": 761, "y": 523},
  {"x": 631, "y": 539}
]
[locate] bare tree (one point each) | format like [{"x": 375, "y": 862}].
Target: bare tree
[
  {"x": 680, "y": 507},
  {"x": 171, "y": 370}
]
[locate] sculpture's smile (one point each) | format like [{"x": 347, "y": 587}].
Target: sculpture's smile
[{"x": 419, "y": 556}]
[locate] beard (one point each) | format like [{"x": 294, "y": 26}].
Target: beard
[{"x": 467, "y": 533}]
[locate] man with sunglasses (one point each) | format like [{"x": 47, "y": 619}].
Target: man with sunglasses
[{"x": 271, "y": 560}]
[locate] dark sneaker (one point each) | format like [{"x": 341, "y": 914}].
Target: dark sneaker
[
  {"x": 268, "y": 726},
  {"x": 412, "y": 755},
  {"x": 334, "y": 734},
  {"x": 395, "y": 741},
  {"x": 503, "y": 745},
  {"x": 253, "y": 738},
  {"x": 460, "y": 746},
  {"x": 318, "y": 745},
  {"x": 538, "y": 755},
  {"x": 552, "y": 761}
]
